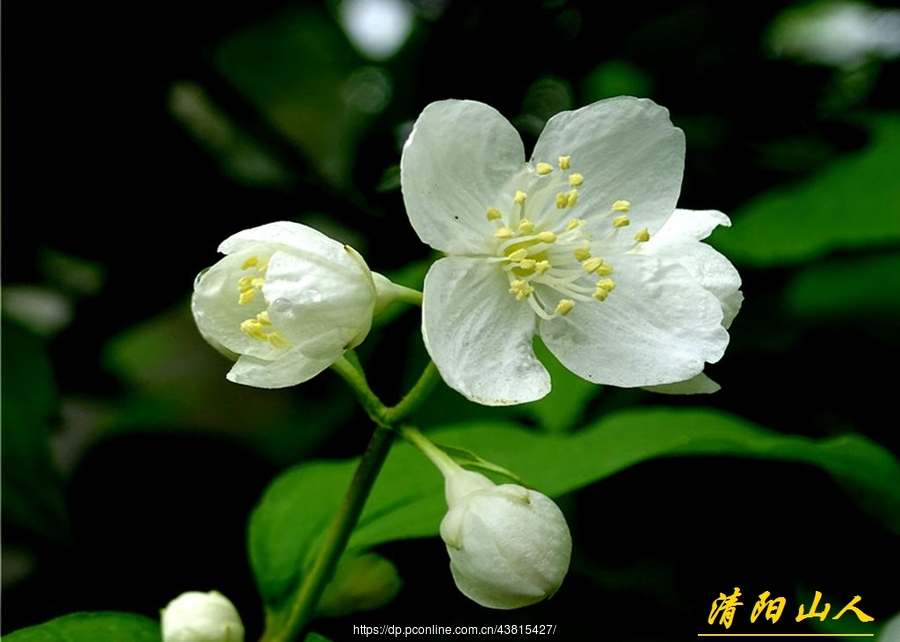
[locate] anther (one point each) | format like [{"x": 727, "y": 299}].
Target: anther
[
  {"x": 504, "y": 232},
  {"x": 621, "y": 206},
  {"x": 246, "y": 296},
  {"x": 562, "y": 201},
  {"x": 576, "y": 179},
  {"x": 277, "y": 340},
  {"x": 571, "y": 197},
  {"x": 520, "y": 197},
  {"x": 249, "y": 262},
  {"x": 518, "y": 255},
  {"x": 592, "y": 264},
  {"x": 581, "y": 254},
  {"x": 541, "y": 267},
  {"x": 526, "y": 226},
  {"x": 544, "y": 168},
  {"x": 643, "y": 236},
  {"x": 575, "y": 222},
  {"x": 606, "y": 284},
  {"x": 521, "y": 289},
  {"x": 493, "y": 214},
  {"x": 547, "y": 237},
  {"x": 621, "y": 221},
  {"x": 564, "y": 307},
  {"x": 565, "y": 162},
  {"x": 600, "y": 294}
]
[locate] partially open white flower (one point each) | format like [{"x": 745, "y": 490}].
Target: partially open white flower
[
  {"x": 582, "y": 245},
  {"x": 201, "y": 617},
  {"x": 509, "y": 546},
  {"x": 288, "y": 300}
]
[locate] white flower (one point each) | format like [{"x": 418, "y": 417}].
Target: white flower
[
  {"x": 582, "y": 245},
  {"x": 509, "y": 546},
  {"x": 201, "y": 617},
  {"x": 288, "y": 300}
]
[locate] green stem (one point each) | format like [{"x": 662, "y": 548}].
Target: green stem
[
  {"x": 341, "y": 528},
  {"x": 336, "y": 538},
  {"x": 438, "y": 457}
]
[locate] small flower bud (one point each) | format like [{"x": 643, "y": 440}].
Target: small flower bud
[
  {"x": 509, "y": 546},
  {"x": 201, "y": 617}
]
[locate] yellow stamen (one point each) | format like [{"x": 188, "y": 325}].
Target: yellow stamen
[
  {"x": 562, "y": 201},
  {"x": 277, "y": 340},
  {"x": 526, "y": 226},
  {"x": 520, "y": 197},
  {"x": 250, "y": 262},
  {"x": 547, "y": 237},
  {"x": 246, "y": 296},
  {"x": 576, "y": 179},
  {"x": 606, "y": 284},
  {"x": 621, "y": 221},
  {"x": 604, "y": 270},
  {"x": 521, "y": 289},
  {"x": 541, "y": 267},
  {"x": 518, "y": 255},
  {"x": 621, "y": 206},
  {"x": 493, "y": 214},
  {"x": 504, "y": 232},
  {"x": 571, "y": 197},
  {"x": 581, "y": 254},
  {"x": 643, "y": 236},
  {"x": 544, "y": 168},
  {"x": 600, "y": 294},
  {"x": 527, "y": 264},
  {"x": 592, "y": 264},
  {"x": 565, "y": 162},
  {"x": 564, "y": 307},
  {"x": 574, "y": 223}
]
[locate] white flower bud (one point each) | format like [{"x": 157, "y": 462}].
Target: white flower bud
[
  {"x": 287, "y": 300},
  {"x": 201, "y": 617},
  {"x": 509, "y": 546}
]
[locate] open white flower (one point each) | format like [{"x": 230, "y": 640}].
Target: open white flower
[
  {"x": 582, "y": 245},
  {"x": 288, "y": 300}
]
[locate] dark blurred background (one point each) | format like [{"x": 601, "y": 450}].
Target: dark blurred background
[{"x": 137, "y": 137}]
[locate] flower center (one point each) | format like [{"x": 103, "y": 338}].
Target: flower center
[
  {"x": 258, "y": 327},
  {"x": 553, "y": 248}
]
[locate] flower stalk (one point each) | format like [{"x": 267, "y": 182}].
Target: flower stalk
[{"x": 341, "y": 528}]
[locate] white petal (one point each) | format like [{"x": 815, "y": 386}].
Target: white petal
[
  {"x": 321, "y": 306},
  {"x": 301, "y": 238},
  {"x": 219, "y": 315},
  {"x": 455, "y": 163},
  {"x": 479, "y": 336},
  {"x": 678, "y": 240},
  {"x": 627, "y": 149},
  {"x": 292, "y": 367},
  {"x": 658, "y": 326}
]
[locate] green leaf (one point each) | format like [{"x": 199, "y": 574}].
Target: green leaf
[
  {"x": 32, "y": 486},
  {"x": 103, "y": 626},
  {"x": 853, "y": 203},
  {"x": 862, "y": 288},
  {"x": 407, "y": 499}
]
